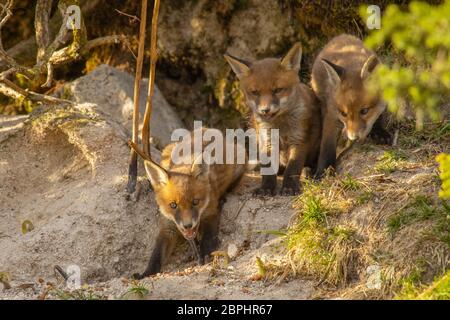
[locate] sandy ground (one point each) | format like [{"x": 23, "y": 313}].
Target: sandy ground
[{"x": 57, "y": 172}]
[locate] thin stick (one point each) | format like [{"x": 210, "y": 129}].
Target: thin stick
[
  {"x": 195, "y": 249},
  {"x": 138, "y": 150},
  {"x": 132, "y": 169},
  {"x": 151, "y": 84}
]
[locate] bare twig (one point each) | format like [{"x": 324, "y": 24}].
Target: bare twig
[
  {"x": 49, "y": 53},
  {"x": 42, "y": 16},
  {"x": 133, "y": 18},
  {"x": 132, "y": 169},
  {"x": 138, "y": 150},
  {"x": 10, "y": 89},
  {"x": 151, "y": 82},
  {"x": 5, "y": 15}
]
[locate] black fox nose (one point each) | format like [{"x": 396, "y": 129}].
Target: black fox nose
[{"x": 187, "y": 225}]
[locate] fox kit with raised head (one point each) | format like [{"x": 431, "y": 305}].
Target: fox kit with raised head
[
  {"x": 188, "y": 194},
  {"x": 339, "y": 79},
  {"x": 278, "y": 100}
]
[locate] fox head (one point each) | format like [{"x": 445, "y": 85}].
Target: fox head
[
  {"x": 268, "y": 84},
  {"x": 357, "y": 107},
  {"x": 182, "y": 198}
]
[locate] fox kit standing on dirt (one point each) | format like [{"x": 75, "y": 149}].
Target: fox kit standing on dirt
[
  {"x": 278, "y": 100},
  {"x": 188, "y": 195},
  {"x": 339, "y": 77}
]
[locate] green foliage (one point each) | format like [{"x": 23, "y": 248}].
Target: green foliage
[
  {"x": 349, "y": 183},
  {"x": 136, "y": 291},
  {"x": 389, "y": 161},
  {"x": 421, "y": 76},
  {"x": 444, "y": 168},
  {"x": 438, "y": 290}
]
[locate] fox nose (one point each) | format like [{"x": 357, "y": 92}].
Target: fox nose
[
  {"x": 352, "y": 136},
  {"x": 264, "y": 110},
  {"x": 187, "y": 225}
]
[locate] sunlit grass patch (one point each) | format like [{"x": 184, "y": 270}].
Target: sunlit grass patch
[
  {"x": 318, "y": 246},
  {"x": 438, "y": 290},
  {"x": 423, "y": 208},
  {"x": 390, "y": 161}
]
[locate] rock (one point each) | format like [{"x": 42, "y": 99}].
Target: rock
[
  {"x": 112, "y": 91},
  {"x": 232, "y": 250}
]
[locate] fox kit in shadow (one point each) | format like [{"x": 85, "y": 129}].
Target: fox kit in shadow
[
  {"x": 278, "y": 100},
  {"x": 339, "y": 79},
  {"x": 188, "y": 194}
]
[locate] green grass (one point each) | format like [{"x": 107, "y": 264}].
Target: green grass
[
  {"x": 419, "y": 209},
  {"x": 364, "y": 197},
  {"x": 317, "y": 244},
  {"x": 349, "y": 183},
  {"x": 413, "y": 290},
  {"x": 390, "y": 161},
  {"x": 136, "y": 291},
  {"x": 422, "y": 208}
]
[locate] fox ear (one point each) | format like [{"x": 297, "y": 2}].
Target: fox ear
[
  {"x": 157, "y": 175},
  {"x": 239, "y": 66},
  {"x": 293, "y": 58},
  {"x": 334, "y": 72},
  {"x": 199, "y": 167},
  {"x": 369, "y": 66}
]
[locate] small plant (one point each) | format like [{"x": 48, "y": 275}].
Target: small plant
[
  {"x": 350, "y": 184},
  {"x": 136, "y": 291},
  {"x": 389, "y": 162}
]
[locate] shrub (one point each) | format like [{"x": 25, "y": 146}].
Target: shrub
[{"x": 420, "y": 74}]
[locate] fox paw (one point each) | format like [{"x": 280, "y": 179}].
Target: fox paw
[
  {"x": 264, "y": 192},
  {"x": 137, "y": 276},
  {"x": 290, "y": 188}
]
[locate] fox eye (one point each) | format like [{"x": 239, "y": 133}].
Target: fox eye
[
  {"x": 255, "y": 92},
  {"x": 364, "y": 111},
  {"x": 277, "y": 90},
  {"x": 173, "y": 205},
  {"x": 344, "y": 114},
  {"x": 195, "y": 202}
]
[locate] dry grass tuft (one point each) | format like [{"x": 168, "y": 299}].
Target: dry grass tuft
[{"x": 377, "y": 230}]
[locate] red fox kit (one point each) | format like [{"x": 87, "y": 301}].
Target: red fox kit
[
  {"x": 339, "y": 77},
  {"x": 188, "y": 196},
  {"x": 278, "y": 100}
]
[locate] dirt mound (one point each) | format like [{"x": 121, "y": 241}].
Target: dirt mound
[
  {"x": 58, "y": 173},
  {"x": 63, "y": 173}
]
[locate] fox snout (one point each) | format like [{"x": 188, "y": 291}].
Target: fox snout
[
  {"x": 187, "y": 225},
  {"x": 266, "y": 107},
  {"x": 356, "y": 133}
]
